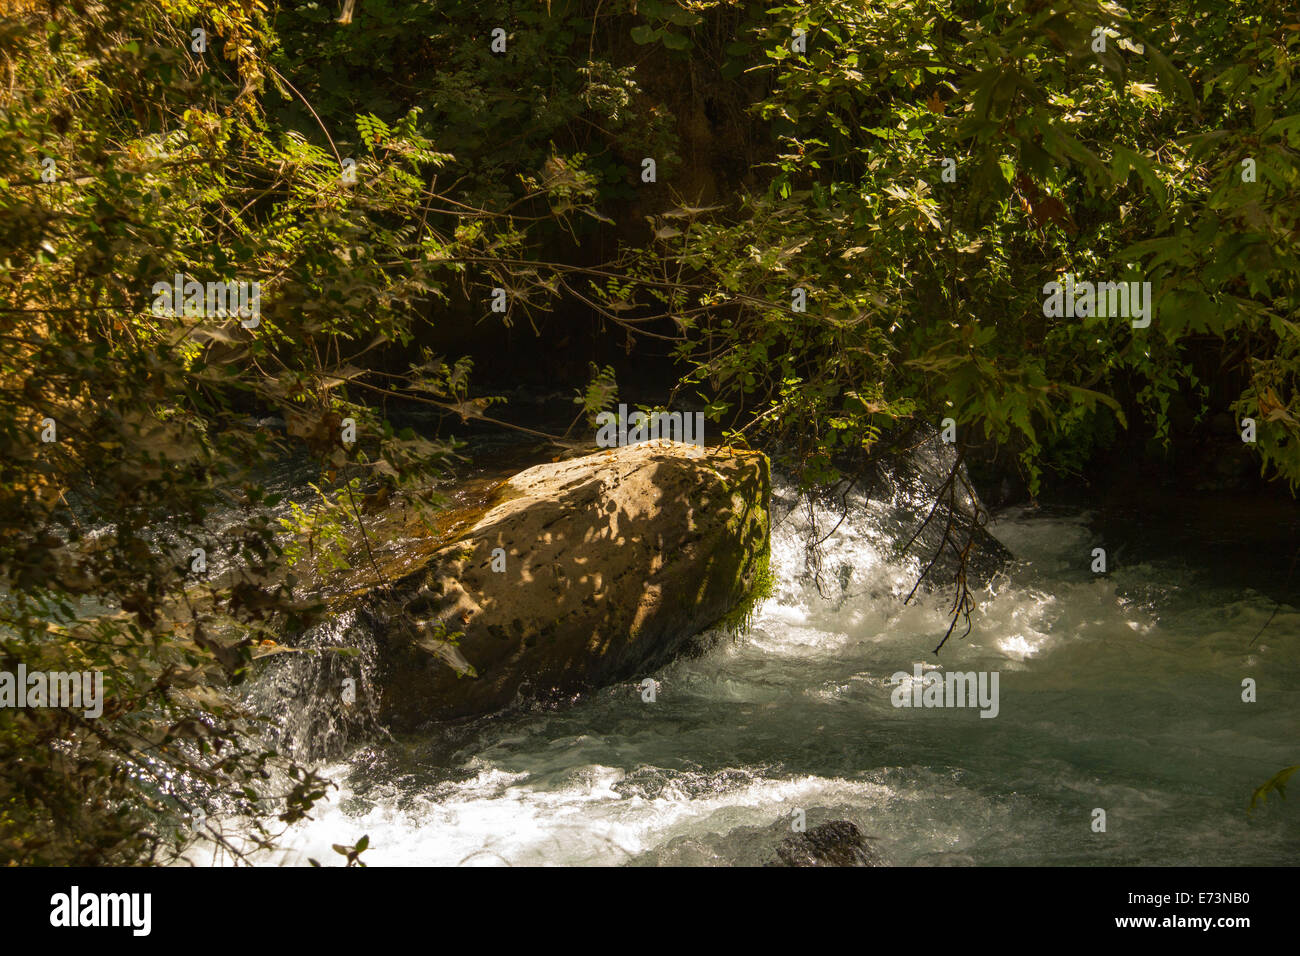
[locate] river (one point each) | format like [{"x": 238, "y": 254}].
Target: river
[{"x": 1119, "y": 691}]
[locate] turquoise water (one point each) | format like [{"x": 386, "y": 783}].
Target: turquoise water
[{"x": 1120, "y": 691}]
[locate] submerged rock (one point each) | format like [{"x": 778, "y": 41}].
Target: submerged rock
[
  {"x": 920, "y": 497},
  {"x": 838, "y": 843},
  {"x": 930, "y": 496},
  {"x": 578, "y": 574},
  {"x": 909, "y": 507}
]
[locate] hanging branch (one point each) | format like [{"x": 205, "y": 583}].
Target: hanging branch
[{"x": 963, "y": 601}]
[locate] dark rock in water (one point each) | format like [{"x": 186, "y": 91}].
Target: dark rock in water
[
  {"x": 930, "y": 496},
  {"x": 838, "y": 843},
  {"x": 912, "y": 496}
]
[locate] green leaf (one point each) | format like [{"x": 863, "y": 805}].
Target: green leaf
[{"x": 1277, "y": 782}]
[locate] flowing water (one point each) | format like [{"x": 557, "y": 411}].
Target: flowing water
[{"x": 1119, "y": 691}]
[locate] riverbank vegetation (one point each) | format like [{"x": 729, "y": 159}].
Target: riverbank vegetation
[{"x": 820, "y": 223}]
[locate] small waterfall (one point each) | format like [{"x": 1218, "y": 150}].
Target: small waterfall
[{"x": 321, "y": 699}]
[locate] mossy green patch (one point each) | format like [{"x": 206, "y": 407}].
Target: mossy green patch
[{"x": 741, "y": 617}]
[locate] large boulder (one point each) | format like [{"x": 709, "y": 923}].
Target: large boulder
[{"x": 577, "y": 574}]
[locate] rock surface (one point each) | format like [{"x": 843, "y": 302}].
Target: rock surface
[
  {"x": 612, "y": 563},
  {"x": 838, "y": 843}
]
